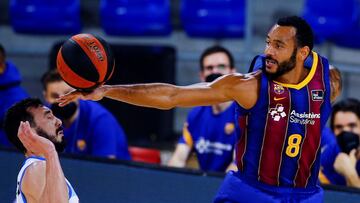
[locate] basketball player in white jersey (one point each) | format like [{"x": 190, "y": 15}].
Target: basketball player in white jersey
[{"x": 34, "y": 130}]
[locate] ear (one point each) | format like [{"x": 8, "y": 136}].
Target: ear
[
  {"x": 304, "y": 52},
  {"x": 44, "y": 95},
  {"x": 202, "y": 77}
]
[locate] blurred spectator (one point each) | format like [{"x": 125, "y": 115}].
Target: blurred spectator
[
  {"x": 340, "y": 163},
  {"x": 210, "y": 130},
  {"x": 89, "y": 128},
  {"x": 10, "y": 91}
]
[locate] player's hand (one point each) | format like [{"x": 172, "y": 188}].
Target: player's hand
[
  {"x": 33, "y": 142},
  {"x": 95, "y": 95}
]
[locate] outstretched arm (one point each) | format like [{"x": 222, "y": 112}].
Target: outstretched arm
[
  {"x": 242, "y": 88},
  {"x": 43, "y": 181}
]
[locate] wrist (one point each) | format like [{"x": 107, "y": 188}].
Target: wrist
[
  {"x": 50, "y": 152},
  {"x": 105, "y": 89}
]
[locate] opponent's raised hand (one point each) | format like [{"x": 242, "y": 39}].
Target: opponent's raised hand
[{"x": 95, "y": 95}]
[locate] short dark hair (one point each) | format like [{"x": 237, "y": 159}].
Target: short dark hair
[
  {"x": 304, "y": 34},
  {"x": 346, "y": 105},
  {"x": 49, "y": 76},
  {"x": 213, "y": 50},
  {"x": 16, "y": 113}
]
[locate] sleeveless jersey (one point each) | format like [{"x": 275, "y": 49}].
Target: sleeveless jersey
[
  {"x": 20, "y": 197},
  {"x": 280, "y": 143}
]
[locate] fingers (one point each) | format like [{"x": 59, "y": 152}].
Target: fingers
[
  {"x": 63, "y": 100},
  {"x": 23, "y": 134}
]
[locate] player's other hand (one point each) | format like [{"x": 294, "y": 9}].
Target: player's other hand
[
  {"x": 95, "y": 95},
  {"x": 33, "y": 142}
]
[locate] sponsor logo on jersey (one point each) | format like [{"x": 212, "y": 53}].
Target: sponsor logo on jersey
[
  {"x": 303, "y": 118},
  {"x": 206, "y": 146},
  {"x": 279, "y": 98},
  {"x": 278, "y": 112},
  {"x": 317, "y": 95}
]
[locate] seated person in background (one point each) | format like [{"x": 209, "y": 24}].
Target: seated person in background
[
  {"x": 210, "y": 130},
  {"x": 10, "y": 91},
  {"x": 89, "y": 128},
  {"x": 340, "y": 163}
]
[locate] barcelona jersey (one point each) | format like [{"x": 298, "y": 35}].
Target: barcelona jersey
[
  {"x": 280, "y": 140},
  {"x": 211, "y": 136}
]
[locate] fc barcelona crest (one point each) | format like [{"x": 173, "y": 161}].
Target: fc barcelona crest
[{"x": 278, "y": 89}]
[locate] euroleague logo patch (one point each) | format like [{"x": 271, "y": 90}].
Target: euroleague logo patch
[{"x": 317, "y": 95}]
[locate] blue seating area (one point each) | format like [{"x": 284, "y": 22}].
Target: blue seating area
[
  {"x": 135, "y": 17},
  {"x": 45, "y": 16},
  {"x": 330, "y": 18},
  {"x": 213, "y": 18},
  {"x": 351, "y": 37}
]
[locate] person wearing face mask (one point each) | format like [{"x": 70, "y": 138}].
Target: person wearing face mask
[
  {"x": 89, "y": 129},
  {"x": 340, "y": 163},
  {"x": 210, "y": 130},
  {"x": 10, "y": 91}
]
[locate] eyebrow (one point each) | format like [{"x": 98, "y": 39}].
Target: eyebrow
[
  {"x": 276, "y": 40},
  {"x": 47, "y": 112}
]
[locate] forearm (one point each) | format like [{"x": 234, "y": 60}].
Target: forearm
[
  {"x": 352, "y": 180},
  {"x": 156, "y": 95},
  {"x": 163, "y": 96},
  {"x": 55, "y": 190}
]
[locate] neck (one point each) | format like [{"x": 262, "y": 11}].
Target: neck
[
  {"x": 295, "y": 76},
  {"x": 218, "y": 108}
]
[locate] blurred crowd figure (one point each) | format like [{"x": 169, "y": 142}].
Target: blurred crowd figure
[
  {"x": 209, "y": 131},
  {"x": 340, "y": 156},
  {"x": 89, "y": 128},
  {"x": 10, "y": 91}
]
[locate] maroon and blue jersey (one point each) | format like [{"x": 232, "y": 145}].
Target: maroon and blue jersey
[{"x": 280, "y": 140}]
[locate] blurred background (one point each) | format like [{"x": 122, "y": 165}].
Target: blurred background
[{"x": 161, "y": 41}]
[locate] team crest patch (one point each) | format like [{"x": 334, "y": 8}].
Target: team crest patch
[
  {"x": 317, "y": 95},
  {"x": 278, "y": 89},
  {"x": 229, "y": 128},
  {"x": 81, "y": 145}
]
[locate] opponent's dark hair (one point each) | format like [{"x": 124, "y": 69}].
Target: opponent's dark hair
[
  {"x": 49, "y": 76},
  {"x": 347, "y": 105},
  {"x": 213, "y": 50},
  {"x": 304, "y": 34},
  {"x": 16, "y": 113}
]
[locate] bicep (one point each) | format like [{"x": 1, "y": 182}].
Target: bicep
[{"x": 33, "y": 182}]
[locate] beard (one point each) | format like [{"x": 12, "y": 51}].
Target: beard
[
  {"x": 59, "y": 145},
  {"x": 283, "y": 67}
]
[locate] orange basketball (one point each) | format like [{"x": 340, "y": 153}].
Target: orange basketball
[{"x": 85, "y": 61}]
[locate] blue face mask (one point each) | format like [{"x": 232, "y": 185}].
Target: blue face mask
[
  {"x": 64, "y": 113},
  {"x": 347, "y": 141}
]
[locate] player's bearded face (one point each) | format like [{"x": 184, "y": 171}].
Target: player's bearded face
[
  {"x": 283, "y": 67},
  {"x": 59, "y": 142}
]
